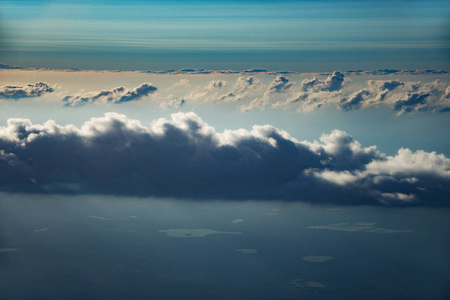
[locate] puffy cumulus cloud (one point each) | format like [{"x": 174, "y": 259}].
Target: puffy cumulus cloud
[
  {"x": 355, "y": 101},
  {"x": 402, "y": 97},
  {"x": 412, "y": 101},
  {"x": 334, "y": 82},
  {"x": 259, "y": 103},
  {"x": 310, "y": 101},
  {"x": 117, "y": 95},
  {"x": 279, "y": 85},
  {"x": 240, "y": 89},
  {"x": 243, "y": 83},
  {"x": 382, "y": 87},
  {"x": 217, "y": 84},
  {"x": 180, "y": 83},
  {"x": 406, "y": 178},
  {"x": 209, "y": 90},
  {"x": 25, "y": 91},
  {"x": 405, "y": 97},
  {"x": 315, "y": 93},
  {"x": 186, "y": 158}
]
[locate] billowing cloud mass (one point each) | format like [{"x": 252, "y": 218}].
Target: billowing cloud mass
[
  {"x": 117, "y": 95},
  {"x": 25, "y": 91},
  {"x": 186, "y": 158}
]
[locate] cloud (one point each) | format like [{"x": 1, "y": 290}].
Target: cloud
[
  {"x": 41, "y": 229},
  {"x": 402, "y": 97},
  {"x": 8, "y": 250},
  {"x": 247, "y": 251},
  {"x": 180, "y": 83},
  {"x": 307, "y": 284},
  {"x": 172, "y": 103},
  {"x": 257, "y": 103},
  {"x": 99, "y": 218},
  {"x": 317, "y": 259},
  {"x": 209, "y": 90},
  {"x": 217, "y": 84},
  {"x": 357, "y": 227},
  {"x": 254, "y": 71},
  {"x": 25, "y": 91},
  {"x": 193, "y": 233},
  {"x": 279, "y": 85},
  {"x": 397, "y": 72},
  {"x": 186, "y": 158},
  {"x": 316, "y": 93},
  {"x": 412, "y": 101},
  {"x": 117, "y": 95},
  {"x": 334, "y": 82},
  {"x": 355, "y": 101},
  {"x": 240, "y": 89}
]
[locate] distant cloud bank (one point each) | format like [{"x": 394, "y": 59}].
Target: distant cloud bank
[
  {"x": 186, "y": 158},
  {"x": 263, "y": 90},
  {"x": 254, "y": 71}
]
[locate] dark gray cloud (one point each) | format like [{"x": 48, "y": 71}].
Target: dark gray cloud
[
  {"x": 186, "y": 158},
  {"x": 117, "y": 95},
  {"x": 25, "y": 91}
]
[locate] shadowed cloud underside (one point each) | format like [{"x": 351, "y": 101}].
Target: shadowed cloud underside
[{"x": 186, "y": 158}]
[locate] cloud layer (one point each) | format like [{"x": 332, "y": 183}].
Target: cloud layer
[
  {"x": 267, "y": 92},
  {"x": 186, "y": 158}
]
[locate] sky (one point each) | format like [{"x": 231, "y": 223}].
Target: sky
[
  {"x": 224, "y": 149},
  {"x": 307, "y": 36},
  {"x": 304, "y": 99}
]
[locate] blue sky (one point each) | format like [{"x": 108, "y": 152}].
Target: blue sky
[{"x": 275, "y": 35}]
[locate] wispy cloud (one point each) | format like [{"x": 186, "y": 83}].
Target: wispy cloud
[
  {"x": 117, "y": 95},
  {"x": 25, "y": 91}
]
